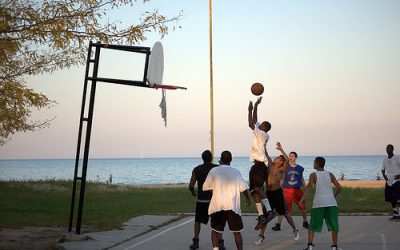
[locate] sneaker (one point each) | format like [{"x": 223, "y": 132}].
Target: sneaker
[
  {"x": 195, "y": 244},
  {"x": 309, "y": 246},
  {"x": 296, "y": 234},
  {"x": 260, "y": 240},
  {"x": 270, "y": 215},
  {"x": 277, "y": 227},
  {"x": 395, "y": 218},
  {"x": 335, "y": 247},
  {"x": 261, "y": 221},
  {"x": 305, "y": 224}
]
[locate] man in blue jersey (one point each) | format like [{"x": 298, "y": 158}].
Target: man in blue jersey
[{"x": 292, "y": 185}]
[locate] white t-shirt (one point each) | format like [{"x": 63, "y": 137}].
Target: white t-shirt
[
  {"x": 324, "y": 196},
  {"x": 392, "y": 168},
  {"x": 226, "y": 183},
  {"x": 260, "y": 140}
]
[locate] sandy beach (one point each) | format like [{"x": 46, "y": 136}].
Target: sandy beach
[{"x": 362, "y": 184}]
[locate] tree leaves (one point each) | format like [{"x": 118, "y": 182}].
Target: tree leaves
[{"x": 43, "y": 36}]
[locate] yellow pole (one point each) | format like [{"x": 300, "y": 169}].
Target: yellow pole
[{"x": 211, "y": 83}]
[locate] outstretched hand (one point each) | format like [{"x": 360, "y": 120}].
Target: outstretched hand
[
  {"x": 258, "y": 101},
  {"x": 250, "y": 106},
  {"x": 279, "y": 146}
]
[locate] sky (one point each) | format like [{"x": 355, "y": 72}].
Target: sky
[{"x": 330, "y": 71}]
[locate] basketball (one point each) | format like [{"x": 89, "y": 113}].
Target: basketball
[{"x": 257, "y": 89}]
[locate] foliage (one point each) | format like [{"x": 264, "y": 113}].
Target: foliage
[{"x": 43, "y": 36}]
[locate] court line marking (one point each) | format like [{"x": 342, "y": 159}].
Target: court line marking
[
  {"x": 159, "y": 234},
  {"x": 384, "y": 243}
]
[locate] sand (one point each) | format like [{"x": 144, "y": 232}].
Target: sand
[{"x": 362, "y": 184}]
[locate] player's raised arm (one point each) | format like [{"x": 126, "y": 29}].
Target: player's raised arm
[
  {"x": 250, "y": 116},
  {"x": 255, "y": 117},
  {"x": 279, "y": 147}
]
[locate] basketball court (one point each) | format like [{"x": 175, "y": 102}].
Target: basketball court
[{"x": 357, "y": 232}]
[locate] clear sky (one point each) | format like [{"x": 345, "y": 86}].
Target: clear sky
[{"x": 330, "y": 71}]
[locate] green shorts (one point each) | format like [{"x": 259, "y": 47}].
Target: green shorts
[{"x": 330, "y": 214}]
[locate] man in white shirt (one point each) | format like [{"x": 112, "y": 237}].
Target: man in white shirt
[
  {"x": 391, "y": 173},
  {"x": 226, "y": 184},
  {"x": 258, "y": 174}
]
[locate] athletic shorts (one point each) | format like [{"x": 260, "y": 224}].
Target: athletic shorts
[
  {"x": 392, "y": 193},
  {"x": 201, "y": 215},
  {"x": 330, "y": 214},
  {"x": 277, "y": 201},
  {"x": 257, "y": 175},
  {"x": 219, "y": 219},
  {"x": 293, "y": 195}
]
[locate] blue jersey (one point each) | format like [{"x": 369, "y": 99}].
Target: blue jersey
[{"x": 293, "y": 177}]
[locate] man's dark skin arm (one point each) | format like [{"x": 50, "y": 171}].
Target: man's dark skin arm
[
  {"x": 191, "y": 184},
  {"x": 252, "y": 115},
  {"x": 311, "y": 182},
  {"x": 384, "y": 175},
  {"x": 246, "y": 194}
]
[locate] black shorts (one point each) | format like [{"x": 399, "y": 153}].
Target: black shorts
[
  {"x": 257, "y": 175},
  {"x": 201, "y": 215},
  {"x": 219, "y": 219},
  {"x": 277, "y": 201},
  {"x": 392, "y": 193}
]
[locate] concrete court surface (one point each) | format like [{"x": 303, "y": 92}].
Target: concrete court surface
[{"x": 356, "y": 232}]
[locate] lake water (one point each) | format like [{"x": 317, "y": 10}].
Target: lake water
[{"x": 169, "y": 170}]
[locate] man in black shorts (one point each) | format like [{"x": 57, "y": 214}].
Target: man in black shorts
[
  {"x": 199, "y": 175},
  {"x": 276, "y": 171},
  {"x": 259, "y": 172},
  {"x": 226, "y": 184}
]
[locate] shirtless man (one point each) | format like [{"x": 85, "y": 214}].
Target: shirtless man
[{"x": 276, "y": 171}]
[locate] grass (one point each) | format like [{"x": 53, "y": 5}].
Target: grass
[{"x": 47, "y": 203}]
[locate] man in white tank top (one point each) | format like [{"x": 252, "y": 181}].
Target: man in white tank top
[{"x": 324, "y": 204}]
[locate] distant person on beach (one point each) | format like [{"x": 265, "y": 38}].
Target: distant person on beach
[
  {"x": 293, "y": 183},
  {"x": 109, "y": 181},
  {"x": 199, "y": 175},
  {"x": 276, "y": 172},
  {"x": 226, "y": 184},
  {"x": 341, "y": 176},
  {"x": 258, "y": 174},
  {"x": 324, "y": 204},
  {"x": 391, "y": 173}
]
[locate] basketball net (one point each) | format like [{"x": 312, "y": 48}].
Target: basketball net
[{"x": 163, "y": 106}]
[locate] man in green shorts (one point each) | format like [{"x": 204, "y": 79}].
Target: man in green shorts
[{"x": 324, "y": 204}]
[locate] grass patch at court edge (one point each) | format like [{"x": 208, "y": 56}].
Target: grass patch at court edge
[{"x": 47, "y": 203}]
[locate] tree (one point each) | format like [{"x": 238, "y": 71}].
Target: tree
[{"x": 43, "y": 36}]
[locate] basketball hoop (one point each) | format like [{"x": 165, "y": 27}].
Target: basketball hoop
[{"x": 155, "y": 72}]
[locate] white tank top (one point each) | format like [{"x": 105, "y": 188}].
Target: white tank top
[{"x": 324, "y": 193}]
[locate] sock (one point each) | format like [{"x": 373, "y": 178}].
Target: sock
[
  {"x": 215, "y": 248},
  {"x": 266, "y": 204},
  {"x": 259, "y": 209}
]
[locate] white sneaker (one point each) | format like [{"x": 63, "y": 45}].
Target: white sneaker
[
  {"x": 296, "y": 234},
  {"x": 260, "y": 240},
  {"x": 309, "y": 247},
  {"x": 335, "y": 248}
]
